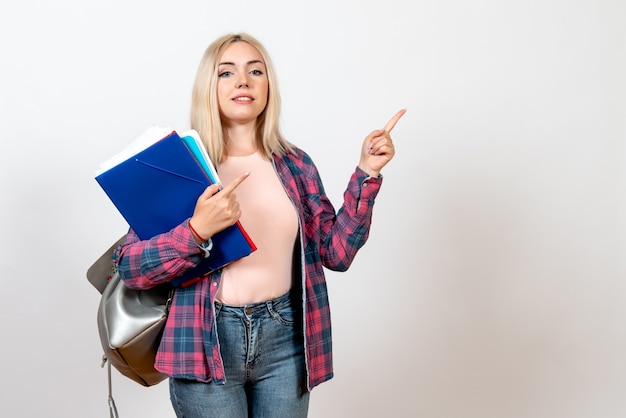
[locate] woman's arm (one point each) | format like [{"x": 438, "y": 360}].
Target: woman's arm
[
  {"x": 145, "y": 264},
  {"x": 342, "y": 235}
]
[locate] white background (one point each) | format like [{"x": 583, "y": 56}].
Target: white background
[{"x": 493, "y": 284}]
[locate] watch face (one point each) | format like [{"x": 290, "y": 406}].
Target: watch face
[{"x": 207, "y": 245}]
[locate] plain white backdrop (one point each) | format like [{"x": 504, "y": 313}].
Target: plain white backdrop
[{"x": 493, "y": 283}]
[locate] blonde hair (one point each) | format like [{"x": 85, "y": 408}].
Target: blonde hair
[{"x": 205, "y": 113}]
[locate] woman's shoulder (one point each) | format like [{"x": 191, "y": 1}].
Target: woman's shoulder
[
  {"x": 296, "y": 156},
  {"x": 298, "y": 163}
]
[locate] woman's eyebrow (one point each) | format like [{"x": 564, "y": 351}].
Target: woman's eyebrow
[{"x": 248, "y": 63}]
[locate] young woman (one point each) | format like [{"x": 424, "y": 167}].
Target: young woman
[{"x": 253, "y": 338}]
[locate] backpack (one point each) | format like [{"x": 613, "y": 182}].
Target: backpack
[{"x": 130, "y": 323}]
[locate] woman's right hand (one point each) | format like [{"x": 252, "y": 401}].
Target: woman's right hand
[{"x": 216, "y": 209}]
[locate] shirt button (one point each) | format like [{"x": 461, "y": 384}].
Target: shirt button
[{"x": 214, "y": 284}]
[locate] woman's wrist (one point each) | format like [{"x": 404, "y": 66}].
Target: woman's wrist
[
  {"x": 369, "y": 171},
  {"x": 196, "y": 236}
]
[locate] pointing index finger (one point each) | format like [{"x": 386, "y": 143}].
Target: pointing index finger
[
  {"x": 392, "y": 122},
  {"x": 233, "y": 184}
]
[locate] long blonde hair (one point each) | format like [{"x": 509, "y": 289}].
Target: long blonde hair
[{"x": 205, "y": 113}]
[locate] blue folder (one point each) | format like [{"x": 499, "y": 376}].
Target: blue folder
[{"x": 157, "y": 188}]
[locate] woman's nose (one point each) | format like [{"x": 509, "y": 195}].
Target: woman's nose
[{"x": 242, "y": 82}]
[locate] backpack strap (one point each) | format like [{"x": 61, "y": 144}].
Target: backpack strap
[{"x": 112, "y": 408}]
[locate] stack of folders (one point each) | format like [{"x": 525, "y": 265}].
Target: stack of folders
[{"x": 155, "y": 182}]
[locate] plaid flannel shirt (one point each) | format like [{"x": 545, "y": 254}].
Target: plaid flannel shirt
[{"x": 190, "y": 347}]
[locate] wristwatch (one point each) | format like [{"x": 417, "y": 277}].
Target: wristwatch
[{"x": 206, "y": 247}]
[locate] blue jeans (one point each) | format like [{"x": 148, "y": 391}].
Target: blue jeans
[{"x": 263, "y": 353}]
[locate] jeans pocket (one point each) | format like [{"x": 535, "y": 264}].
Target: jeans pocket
[{"x": 283, "y": 314}]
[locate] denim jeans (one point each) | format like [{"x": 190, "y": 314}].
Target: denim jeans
[{"x": 263, "y": 353}]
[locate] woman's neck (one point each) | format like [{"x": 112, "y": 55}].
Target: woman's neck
[{"x": 240, "y": 139}]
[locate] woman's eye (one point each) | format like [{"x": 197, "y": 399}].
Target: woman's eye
[
  {"x": 225, "y": 74},
  {"x": 256, "y": 72}
]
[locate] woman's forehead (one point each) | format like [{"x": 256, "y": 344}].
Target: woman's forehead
[{"x": 240, "y": 51}]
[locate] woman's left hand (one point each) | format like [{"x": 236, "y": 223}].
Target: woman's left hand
[{"x": 378, "y": 149}]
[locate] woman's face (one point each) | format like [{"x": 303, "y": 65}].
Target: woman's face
[{"x": 242, "y": 85}]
